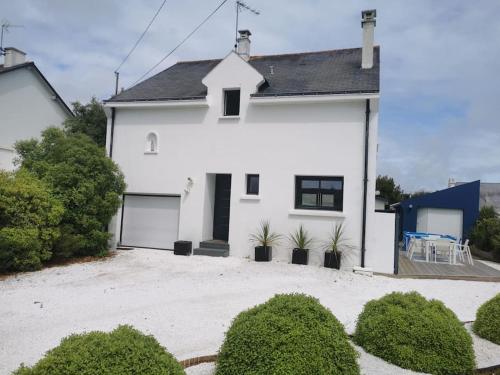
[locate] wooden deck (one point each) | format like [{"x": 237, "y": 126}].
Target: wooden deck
[{"x": 424, "y": 270}]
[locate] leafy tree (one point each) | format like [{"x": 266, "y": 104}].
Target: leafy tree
[
  {"x": 487, "y": 212},
  {"x": 89, "y": 119},
  {"x": 88, "y": 183},
  {"x": 29, "y": 219},
  {"x": 389, "y": 189}
]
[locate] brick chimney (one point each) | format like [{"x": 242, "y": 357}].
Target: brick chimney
[
  {"x": 13, "y": 57},
  {"x": 244, "y": 44},
  {"x": 368, "y": 25}
]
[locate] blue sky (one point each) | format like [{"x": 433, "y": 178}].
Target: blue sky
[{"x": 439, "y": 80}]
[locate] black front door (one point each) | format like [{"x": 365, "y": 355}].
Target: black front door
[{"x": 221, "y": 206}]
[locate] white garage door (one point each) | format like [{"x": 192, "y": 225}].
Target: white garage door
[
  {"x": 440, "y": 221},
  {"x": 150, "y": 221}
]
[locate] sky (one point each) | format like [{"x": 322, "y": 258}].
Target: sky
[{"x": 440, "y": 87}]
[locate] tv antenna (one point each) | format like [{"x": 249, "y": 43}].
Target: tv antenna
[
  {"x": 240, "y": 6},
  {"x": 6, "y": 25}
]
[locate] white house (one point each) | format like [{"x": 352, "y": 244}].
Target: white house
[
  {"x": 210, "y": 148},
  {"x": 28, "y": 103}
]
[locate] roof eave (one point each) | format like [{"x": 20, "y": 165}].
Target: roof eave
[
  {"x": 312, "y": 97},
  {"x": 170, "y": 102}
]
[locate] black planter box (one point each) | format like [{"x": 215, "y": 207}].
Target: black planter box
[
  {"x": 300, "y": 256},
  {"x": 263, "y": 253},
  {"x": 332, "y": 260},
  {"x": 183, "y": 247}
]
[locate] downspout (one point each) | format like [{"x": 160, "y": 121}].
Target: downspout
[
  {"x": 365, "y": 183},
  {"x": 112, "y": 132}
]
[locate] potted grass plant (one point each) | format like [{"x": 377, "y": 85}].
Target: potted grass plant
[
  {"x": 301, "y": 241},
  {"x": 264, "y": 238},
  {"x": 335, "y": 246}
]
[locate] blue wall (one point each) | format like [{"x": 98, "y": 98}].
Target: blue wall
[{"x": 463, "y": 197}]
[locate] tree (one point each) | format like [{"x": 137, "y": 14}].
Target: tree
[
  {"x": 88, "y": 184},
  {"x": 29, "y": 219},
  {"x": 389, "y": 190},
  {"x": 89, "y": 119}
]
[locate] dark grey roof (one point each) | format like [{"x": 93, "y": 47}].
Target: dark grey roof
[
  {"x": 310, "y": 73},
  {"x": 31, "y": 64}
]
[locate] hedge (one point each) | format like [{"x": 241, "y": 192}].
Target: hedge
[
  {"x": 29, "y": 219},
  {"x": 124, "y": 351},
  {"x": 487, "y": 324},
  {"x": 414, "y": 333},
  {"x": 84, "y": 179},
  {"x": 289, "y": 334}
]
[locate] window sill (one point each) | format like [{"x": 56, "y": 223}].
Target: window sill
[
  {"x": 229, "y": 117},
  {"x": 297, "y": 212},
  {"x": 150, "y": 152},
  {"x": 250, "y": 197}
]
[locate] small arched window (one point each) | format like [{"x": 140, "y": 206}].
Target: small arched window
[{"x": 152, "y": 143}]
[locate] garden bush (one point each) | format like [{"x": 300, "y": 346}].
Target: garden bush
[
  {"x": 29, "y": 219},
  {"x": 84, "y": 179},
  {"x": 124, "y": 351},
  {"x": 289, "y": 334},
  {"x": 414, "y": 333},
  {"x": 487, "y": 324}
]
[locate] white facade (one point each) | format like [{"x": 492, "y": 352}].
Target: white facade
[
  {"x": 27, "y": 106},
  {"x": 277, "y": 138}
]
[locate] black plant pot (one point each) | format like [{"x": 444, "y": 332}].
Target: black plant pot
[
  {"x": 300, "y": 256},
  {"x": 183, "y": 247},
  {"x": 263, "y": 253},
  {"x": 332, "y": 260}
]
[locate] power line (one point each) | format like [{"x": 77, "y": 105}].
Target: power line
[
  {"x": 182, "y": 42},
  {"x": 142, "y": 36}
]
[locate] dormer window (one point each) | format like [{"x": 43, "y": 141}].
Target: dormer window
[
  {"x": 152, "y": 143},
  {"x": 232, "y": 102}
]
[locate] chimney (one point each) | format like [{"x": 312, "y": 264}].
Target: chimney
[
  {"x": 368, "y": 25},
  {"x": 13, "y": 56},
  {"x": 244, "y": 44}
]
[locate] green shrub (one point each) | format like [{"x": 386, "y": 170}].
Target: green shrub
[
  {"x": 414, "y": 333},
  {"x": 29, "y": 218},
  {"x": 484, "y": 234},
  {"x": 125, "y": 351},
  {"x": 289, "y": 334},
  {"x": 84, "y": 179},
  {"x": 487, "y": 324}
]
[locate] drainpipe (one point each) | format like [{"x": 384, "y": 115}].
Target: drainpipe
[
  {"x": 365, "y": 182},
  {"x": 112, "y": 132}
]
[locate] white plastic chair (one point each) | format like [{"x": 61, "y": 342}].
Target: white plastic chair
[{"x": 463, "y": 252}]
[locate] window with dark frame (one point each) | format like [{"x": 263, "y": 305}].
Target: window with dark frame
[
  {"x": 319, "y": 193},
  {"x": 252, "y": 184},
  {"x": 231, "y": 102}
]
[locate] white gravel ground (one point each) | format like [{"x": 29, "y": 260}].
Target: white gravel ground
[{"x": 187, "y": 303}]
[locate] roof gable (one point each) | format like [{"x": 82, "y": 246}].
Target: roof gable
[
  {"x": 30, "y": 65},
  {"x": 231, "y": 72}
]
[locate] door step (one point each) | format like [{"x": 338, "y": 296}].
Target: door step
[
  {"x": 214, "y": 244},
  {"x": 213, "y": 248}
]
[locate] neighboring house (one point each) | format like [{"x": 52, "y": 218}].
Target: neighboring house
[
  {"x": 381, "y": 203},
  {"x": 28, "y": 103},
  {"x": 210, "y": 148},
  {"x": 451, "y": 211}
]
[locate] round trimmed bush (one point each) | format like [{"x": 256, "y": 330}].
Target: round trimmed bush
[
  {"x": 487, "y": 324},
  {"x": 289, "y": 334},
  {"x": 414, "y": 333},
  {"x": 124, "y": 351}
]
